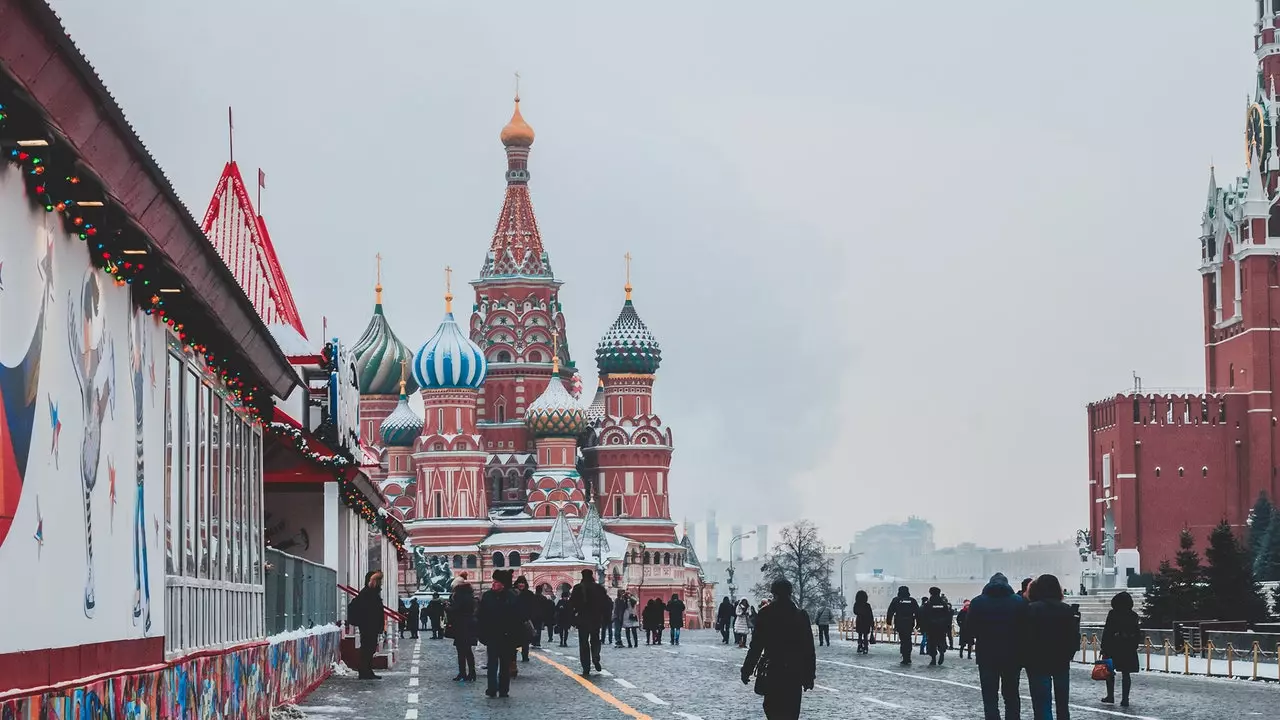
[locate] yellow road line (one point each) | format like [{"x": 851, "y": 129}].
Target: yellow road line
[{"x": 622, "y": 707}]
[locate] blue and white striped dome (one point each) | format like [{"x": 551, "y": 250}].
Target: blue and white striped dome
[
  {"x": 401, "y": 427},
  {"x": 449, "y": 359}
]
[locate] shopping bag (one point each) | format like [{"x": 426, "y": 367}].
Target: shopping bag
[{"x": 1102, "y": 670}]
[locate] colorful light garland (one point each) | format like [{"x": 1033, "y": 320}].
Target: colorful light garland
[
  {"x": 56, "y": 193},
  {"x": 351, "y": 496}
]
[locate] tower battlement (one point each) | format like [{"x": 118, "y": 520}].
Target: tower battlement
[{"x": 1160, "y": 410}]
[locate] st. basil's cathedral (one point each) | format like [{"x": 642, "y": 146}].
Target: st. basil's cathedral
[{"x": 509, "y": 468}]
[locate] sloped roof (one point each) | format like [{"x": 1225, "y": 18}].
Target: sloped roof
[{"x": 561, "y": 543}]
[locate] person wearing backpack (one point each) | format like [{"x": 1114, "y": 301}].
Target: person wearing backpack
[{"x": 781, "y": 655}]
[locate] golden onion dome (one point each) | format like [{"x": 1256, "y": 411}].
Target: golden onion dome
[{"x": 517, "y": 133}]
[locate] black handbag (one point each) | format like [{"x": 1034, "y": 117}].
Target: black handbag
[{"x": 762, "y": 676}]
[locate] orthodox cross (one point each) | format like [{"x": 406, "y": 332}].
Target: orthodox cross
[
  {"x": 404, "y": 365},
  {"x": 555, "y": 352},
  {"x": 517, "y": 86},
  {"x": 627, "y": 257},
  {"x": 1107, "y": 500},
  {"x": 377, "y": 288},
  {"x": 448, "y": 289}
]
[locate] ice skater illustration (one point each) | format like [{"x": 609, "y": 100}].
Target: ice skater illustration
[
  {"x": 139, "y": 360},
  {"x": 87, "y": 338}
]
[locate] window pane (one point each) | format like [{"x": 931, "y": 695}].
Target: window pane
[
  {"x": 215, "y": 486},
  {"x": 255, "y": 521},
  {"x": 190, "y": 490},
  {"x": 172, "y": 489},
  {"x": 202, "y": 475}
]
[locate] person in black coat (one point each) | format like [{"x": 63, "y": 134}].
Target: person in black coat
[
  {"x": 591, "y": 606},
  {"x": 1120, "y": 639},
  {"x": 864, "y": 621},
  {"x": 365, "y": 614},
  {"x": 1049, "y": 638},
  {"x": 500, "y": 626},
  {"x": 412, "y": 615},
  {"x": 654, "y": 620},
  {"x": 904, "y": 613},
  {"x": 724, "y": 619},
  {"x": 935, "y": 622},
  {"x": 966, "y": 637},
  {"x": 462, "y": 622},
  {"x": 435, "y": 614},
  {"x": 675, "y": 611},
  {"x": 531, "y": 609},
  {"x": 546, "y": 612},
  {"x": 564, "y": 618},
  {"x": 994, "y": 619},
  {"x": 782, "y": 645}
]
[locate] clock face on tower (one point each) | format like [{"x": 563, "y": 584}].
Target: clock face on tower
[{"x": 1257, "y": 140}]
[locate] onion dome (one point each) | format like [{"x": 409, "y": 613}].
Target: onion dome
[
  {"x": 555, "y": 413},
  {"x": 449, "y": 359},
  {"x": 628, "y": 346},
  {"x": 402, "y": 426},
  {"x": 378, "y": 354},
  {"x": 517, "y": 133},
  {"x": 595, "y": 412}
]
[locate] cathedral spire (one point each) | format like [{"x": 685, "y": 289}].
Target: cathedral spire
[{"x": 516, "y": 248}]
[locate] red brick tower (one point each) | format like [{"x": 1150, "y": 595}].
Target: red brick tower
[
  {"x": 1161, "y": 462},
  {"x": 629, "y": 454},
  {"x": 516, "y": 313}
]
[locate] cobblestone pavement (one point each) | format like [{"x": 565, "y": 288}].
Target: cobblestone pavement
[{"x": 699, "y": 680}]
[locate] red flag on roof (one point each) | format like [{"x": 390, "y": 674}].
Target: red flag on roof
[{"x": 262, "y": 179}]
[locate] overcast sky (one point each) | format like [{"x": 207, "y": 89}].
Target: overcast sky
[{"x": 890, "y": 249}]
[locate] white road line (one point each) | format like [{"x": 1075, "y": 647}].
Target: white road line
[
  {"x": 687, "y": 716},
  {"x": 672, "y": 652},
  {"x": 624, "y": 683},
  {"x": 604, "y": 673},
  {"x": 414, "y": 670},
  {"x": 824, "y": 687},
  {"x": 953, "y": 683},
  {"x": 716, "y": 660},
  {"x": 413, "y": 682},
  {"x": 939, "y": 717},
  {"x": 654, "y": 699},
  {"x": 881, "y": 703},
  {"x": 413, "y": 698},
  {"x": 411, "y": 714}
]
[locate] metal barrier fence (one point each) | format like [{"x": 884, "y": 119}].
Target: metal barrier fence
[
  {"x": 299, "y": 593},
  {"x": 1252, "y": 663}
]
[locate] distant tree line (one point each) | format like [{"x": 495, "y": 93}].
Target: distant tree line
[{"x": 1225, "y": 585}]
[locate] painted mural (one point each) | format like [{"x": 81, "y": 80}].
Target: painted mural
[
  {"x": 243, "y": 684},
  {"x": 80, "y": 426}
]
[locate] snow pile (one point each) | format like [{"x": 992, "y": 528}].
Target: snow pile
[
  {"x": 288, "y": 712},
  {"x": 303, "y": 633},
  {"x": 340, "y": 669}
]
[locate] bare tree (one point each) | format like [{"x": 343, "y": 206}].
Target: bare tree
[{"x": 800, "y": 556}]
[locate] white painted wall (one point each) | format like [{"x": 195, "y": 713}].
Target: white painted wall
[{"x": 44, "y": 273}]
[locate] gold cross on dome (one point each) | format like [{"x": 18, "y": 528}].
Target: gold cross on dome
[
  {"x": 517, "y": 86},
  {"x": 404, "y": 372},
  {"x": 377, "y": 288},
  {"x": 448, "y": 279},
  {"x": 555, "y": 352},
  {"x": 627, "y": 257}
]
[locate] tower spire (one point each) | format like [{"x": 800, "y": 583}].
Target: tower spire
[
  {"x": 627, "y": 287},
  {"x": 448, "y": 289},
  {"x": 377, "y": 288}
]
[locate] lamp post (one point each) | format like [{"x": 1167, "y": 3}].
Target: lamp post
[
  {"x": 733, "y": 588},
  {"x": 843, "y": 599}
]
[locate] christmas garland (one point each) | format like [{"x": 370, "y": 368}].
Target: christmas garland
[
  {"x": 118, "y": 249},
  {"x": 351, "y": 496}
]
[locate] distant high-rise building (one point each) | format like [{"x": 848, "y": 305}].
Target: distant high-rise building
[
  {"x": 762, "y": 540},
  {"x": 713, "y": 538},
  {"x": 735, "y": 552}
]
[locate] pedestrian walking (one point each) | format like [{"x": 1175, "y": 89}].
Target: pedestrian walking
[
  {"x": 966, "y": 636},
  {"x": 547, "y": 603},
  {"x": 864, "y": 621},
  {"x": 654, "y": 620},
  {"x": 530, "y": 608},
  {"x": 724, "y": 619},
  {"x": 904, "y": 613},
  {"x": 500, "y": 627},
  {"x": 994, "y": 619},
  {"x": 564, "y": 618},
  {"x": 620, "y": 606},
  {"x": 675, "y": 613},
  {"x": 742, "y": 623},
  {"x": 822, "y": 619},
  {"x": 403, "y": 608},
  {"x": 1050, "y": 638},
  {"x": 781, "y": 655},
  {"x": 413, "y": 616},
  {"x": 935, "y": 622},
  {"x": 435, "y": 614},
  {"x": 631, "y": 622},
  {"x": 1120, "y": 638},
  {"x": 462, "y": 625},
  {"x": 591, "y": 606},
  {"x": 365, "y": 613}
]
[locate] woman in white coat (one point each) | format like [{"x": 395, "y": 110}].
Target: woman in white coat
[
  {"x": 742, "y": 622},
  {"x": 631, "y": 623}
]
